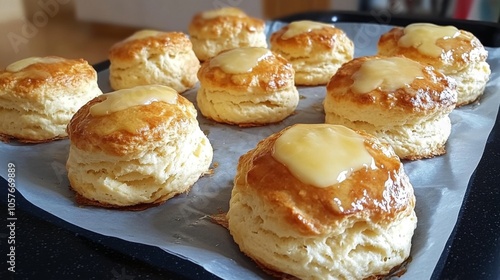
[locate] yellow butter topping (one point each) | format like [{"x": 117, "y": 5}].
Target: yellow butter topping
[
  {"x": 23, "y": 63},
  {"x": 423, "y": 37},
  {"x": 142, "y": 34},
  {"x": 239, "y": 60},
  {"x": 298, "y": 27},
  {"x": 387, "y": 74},
  {"x": 136, "y": 96},
  {"x": 322, "y": 154},
  {"x": 227, "y": 11}
]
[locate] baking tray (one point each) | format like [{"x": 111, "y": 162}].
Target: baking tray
[
  {"x": 472, "y": 251},
  {"x": 487, "y": 32}
]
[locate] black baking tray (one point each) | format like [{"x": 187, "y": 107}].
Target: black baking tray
[
  {"x": 50, "y": 248},
  {"x": 487, "y": 32}
]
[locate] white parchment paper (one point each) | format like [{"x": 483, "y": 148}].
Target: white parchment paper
[{"x": 180, "y": 225}]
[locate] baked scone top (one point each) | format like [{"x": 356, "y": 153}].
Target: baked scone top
[
  {"x": 377, "y": 191},
  {"x": 254, "y": 68},
  {"x": 165, "y": 42},
  {"x": 124, "y": 125},
  {"x": 23, "y": 77},
  {"x": 300, "y": 35},
  {"x": 223, "y": 22},
  {"x": 445, "y": 47},
  {"x": 393, "y": 83}
]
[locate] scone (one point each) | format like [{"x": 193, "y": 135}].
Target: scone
[
  {"x": 39, "y": 95},
  {"x": 135, "y": 148},
  {"x": 456, "y": 53},
  {"x": 396, "y": 99},
  {"x": 225, "y": 28},
  {"x": 321, "y": 201},
  {"x": 315, "y": 50},
  {"x": 248, "y": 86},
  {"x": 153, "y": 57}
]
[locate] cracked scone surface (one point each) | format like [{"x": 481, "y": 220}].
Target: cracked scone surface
[
  {"x": 140, "y": 155},
  {"x": 214, "y": 31},
  {"x": 263, "y": 94},
  {"x": 153, "y": 57},
  {"x": 316, "y": 50}
]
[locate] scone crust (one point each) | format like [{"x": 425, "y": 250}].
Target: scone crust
[
  {"x": 378, "y": 195},
  {"x": 321, "y": 39},
  {"x": 457, "y": 54},
  {"x": 315, "y": 55},
  {"x": 224, "y": 25},
  {"x": 25, "y": 84},
  {"x": 167, "y": 42},
  {"x": 38, "y": 101},
  {"x": 360, "y": 228},
  {"x": 138, "y": 156},
  {"x": 434, "y": 93},
  {"x": 414, "y": 118},
  {"x": 128, "y": 131},
  {"x": 164, "y": 58},
  {"x": 273, "y": 73},
  {"x": 229, "y": 28}
]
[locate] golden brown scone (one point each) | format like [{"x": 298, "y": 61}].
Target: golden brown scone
[
  {"x": 225, "y": 28},
  {"x": 315, "y": 50},
  {"x": 396, "y": 99},
  {"x": 456, "y": 53},
  {"x": 321, "y": 201},
  {"x": 153, "y": 57},
  {"x": 39, "y": 95},
  {"x": 249, "y": 86},
  {"x": 136, "y": 147}
]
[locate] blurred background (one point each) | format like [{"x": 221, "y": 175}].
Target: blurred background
[{"x": 88, "y": 28}]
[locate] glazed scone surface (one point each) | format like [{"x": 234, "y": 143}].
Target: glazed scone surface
[
  {"x": 141, "y": 154},
  {"x": 412, "y": 114},
  {"x": 39, "y": 95},
  {"x": 456, "y": 53},
  {"x": 154, "y": 57},
  {"x": 316, "y": 50},
  {"x": 355, "y": 229},
  {"x": 247, "y": 87}
]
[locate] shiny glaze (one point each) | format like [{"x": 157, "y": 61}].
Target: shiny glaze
[
  {"x": 137, "y": 96},
  {"x": 423, "y": 37},
  {"x": 299, "y": 27},
  {"x": 23, "y": 63},
  {"x": 387, "y": 74},
  {"x": 321, "y": 154},
  {"x": 239, "y": 60},
  {"x": 227, "y": 11}
]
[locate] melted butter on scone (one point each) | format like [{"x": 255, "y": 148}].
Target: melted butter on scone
[
  {"x": 239, "y": 60},
  {"x": 303, "y": 26},
  {"x": 228, "y": 11},
  {"x": 136, "y": 96},
  {"x": 23, "y": 63},
  {"x": 142, "y": 34},
  {"x": 386, "y": 74},
  {"x": 423, "y": 37},
  {"x": 322, "y": 155}
]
